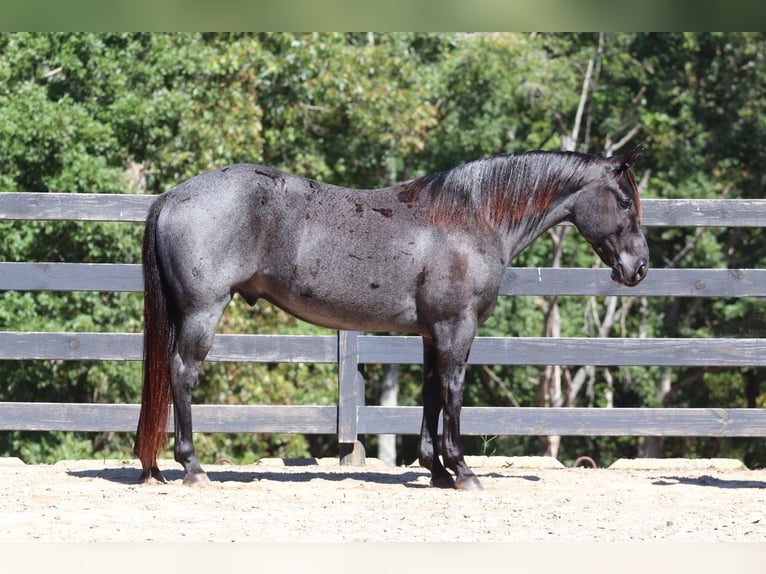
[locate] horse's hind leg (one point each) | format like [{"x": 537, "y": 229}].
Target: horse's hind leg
[{"x": 196, "y": 333}]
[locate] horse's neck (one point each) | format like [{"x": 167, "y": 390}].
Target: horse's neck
[{"x": 521, "y": 234}]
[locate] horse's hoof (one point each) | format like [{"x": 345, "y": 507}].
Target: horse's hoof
[
  {"x": 196, "y": 479},
  {"x": 470, "y": 483},
  {"x": 151, "y": 476},
  {"x": 442, "y": 482}
]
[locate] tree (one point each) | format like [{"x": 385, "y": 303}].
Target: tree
[{"x": 140, "y": 113}]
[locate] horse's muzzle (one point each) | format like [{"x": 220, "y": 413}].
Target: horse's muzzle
[{"x": 630, "y": 276}]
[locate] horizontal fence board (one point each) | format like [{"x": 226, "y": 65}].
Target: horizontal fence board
[
  {"x": 68, "y": 417},
  {"x": 129, "y": 347},
  {"x": 75, "y": 206},
  {"x": 397, "y": 349},
  {"x": 704, "y": 212},
  {"x": 132, "y": 207},
  {"x": 577, "y": 351},
  {"x": 113, "y": 277},
  {"x": 538, "y": 421},
  {"x": 275, "y": 348},
  {"x": 658, "y": 282},
  {"x": 516, "y": 281},
  {"x": 308, "y": 419}
]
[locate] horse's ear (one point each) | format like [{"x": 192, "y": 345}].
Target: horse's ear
[{"x": 627, "y": 159}]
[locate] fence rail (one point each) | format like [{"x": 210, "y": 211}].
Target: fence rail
[
  {"x": 127, "y": 207},
  {"x": 351, "y": 417},
  {"x": 309, "y": 419},
  {"x": 516, "y": 281},
  {"x": 402, "y": 349}
]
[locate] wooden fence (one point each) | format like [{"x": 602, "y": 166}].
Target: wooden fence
[{"x": 351, "y": 418}]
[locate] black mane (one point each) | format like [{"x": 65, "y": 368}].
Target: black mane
[{"x": 496, "y": 191}]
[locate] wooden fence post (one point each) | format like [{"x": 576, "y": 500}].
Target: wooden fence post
[{"x": 350, "y": 398}]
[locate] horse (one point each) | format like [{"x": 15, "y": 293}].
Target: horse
[{"x": 425, "y": 257}]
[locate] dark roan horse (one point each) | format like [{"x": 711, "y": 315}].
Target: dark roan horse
[{"x": 424, "y": 257}]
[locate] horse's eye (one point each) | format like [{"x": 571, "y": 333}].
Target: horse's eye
[{"x": 623, "y": 203}]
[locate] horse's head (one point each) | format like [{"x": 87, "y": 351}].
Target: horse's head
[{"x": 607, "y": 212}]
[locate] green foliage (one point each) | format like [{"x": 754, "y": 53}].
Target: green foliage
[{"x": 138, "y": 113}]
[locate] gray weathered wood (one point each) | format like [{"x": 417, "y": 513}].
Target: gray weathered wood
[
  {"x": 75, "y": 206},
  {"x": 578, "y": 351},
  {"x": 71, "y": 277},
  {"x": 526, "y": 421},
  {"x": 536, "y": 421},
  {"x": 704, "y": 212},
  {"x": 128, "y": 207},
  {"x": 348, "y": 399},
  {"x": 403, "y": 349},
  {"x": 306, "y": 419},
  {"x": 129, "y": 347},
  {"x": 516, "y": 281},
  {"x": 658, "y": 282}
]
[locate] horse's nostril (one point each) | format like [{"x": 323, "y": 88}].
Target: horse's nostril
[{"x": 641, "y": 271}]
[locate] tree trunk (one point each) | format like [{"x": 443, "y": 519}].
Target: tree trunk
[
  {"x": 549, "y": 386},
  {"x": 651, "y": 446},
  {"x": 389, "y": 394}
]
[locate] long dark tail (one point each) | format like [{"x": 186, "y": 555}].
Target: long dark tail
[{"x": 159, "y": 340}]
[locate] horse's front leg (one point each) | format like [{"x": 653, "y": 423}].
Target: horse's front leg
[
  {"x": 453, "y": 382},
  {"x": 444, "y": 362},
  {"x": 432, "y": 407},
  {"x": 453, "y": 343}
]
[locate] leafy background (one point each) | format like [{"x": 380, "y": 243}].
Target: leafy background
[{"x": 141, "y": 112}]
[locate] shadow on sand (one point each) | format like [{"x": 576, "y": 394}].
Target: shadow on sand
[
  {"x": 706, "y": 480},
  {"x": 415, "y": 478}
]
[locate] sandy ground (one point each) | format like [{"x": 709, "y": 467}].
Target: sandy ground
[{"x": 319, "y": 501}]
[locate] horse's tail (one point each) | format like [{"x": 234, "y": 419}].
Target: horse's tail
[{"x": 159, "y": 340}]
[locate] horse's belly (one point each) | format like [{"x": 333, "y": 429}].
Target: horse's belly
[
  {"x": 352, "y": 319},
  {"x": 364, "y": 305}
]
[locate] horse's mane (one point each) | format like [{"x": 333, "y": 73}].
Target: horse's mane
[{"x": 497, "y": 191}]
